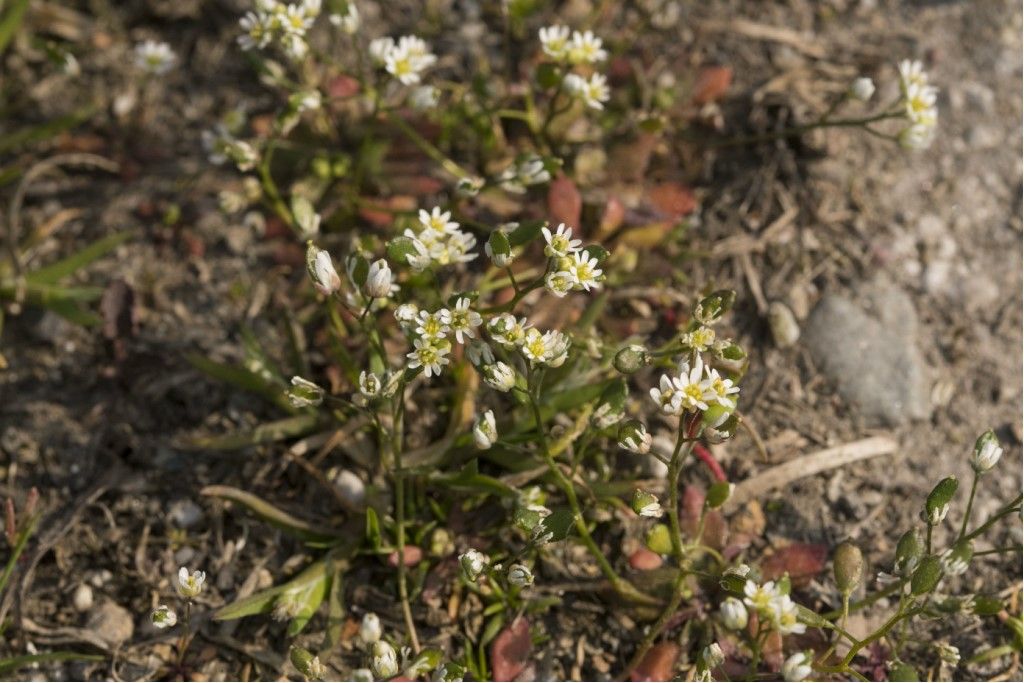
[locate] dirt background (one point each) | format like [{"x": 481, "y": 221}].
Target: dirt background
[{"x": 97, "y": 425}]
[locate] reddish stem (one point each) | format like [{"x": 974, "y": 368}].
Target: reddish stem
[{"x": 708, "y": 459}]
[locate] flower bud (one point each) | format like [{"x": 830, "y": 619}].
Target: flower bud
[
  {"x": 370, "y": 629},
  {"x": 909, "y": 550},
  {"x": 500, "y": 376},
  {"x": 632, "y": 358},
  {"x": 498, "y": 249},
  {"x": 862, "y": 89},
  {"x": 164, "y": 617},
  {"x": 659, "y": 539},
  {"x": 306, "y": 217},
  {"x": 469, "y": 187},
  {"x": 847, "y": 566},
  {"x": 948, "y": 653},
  {"x": 485, "y": 433},
  {"x": 712, "y": 307},
  {"x": 520, "y": 575},
  {"x": 712, "y": 656},
  {"x": 956, "y": 560},
  {"x": 321, "y": 270},
  {"x": 304, "y": 393},
  {"x": 797, "y": 667},
  {"x": 734, "y": 614},
  {"x": 719, "y": 493},
  {"x": 937, "y": 504},
  {"x": 378, "y": 280},
  {"x": 927, "y": 575},
  {"x": 401, "y": 248},
  {"x": 528, "y": 518},
  {"x": 633, "y": 437},
  {"x": 986, "y": 452},
  {"x": 901, "y": 671},
  {"x": 646, "y": 504},
  {"x": 473, "y": 563},
  {"x": 383, "y": 661},
  {"x": 369, "y": 384},
  {"x": 307, "y": 664}
]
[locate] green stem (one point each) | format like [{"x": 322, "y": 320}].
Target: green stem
[
  {"x": 798, "y": 130},
  {"x": 396, "y": 447},
  {"x": 655, "y": 630},
  {"x": 270, "y": 190},
  {"x": 429, "y": 148},
  {"x": 970, "y": 504},
  {"x": 511, "y": 303}
]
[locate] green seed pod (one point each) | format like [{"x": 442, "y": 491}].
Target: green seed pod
[
  {"x": 632, "y": 358},
  {"x": 908, "y": 552},
  {"x": 937, "y": 504},
  {"x": 400, "y": 249},
  {"x": 659, "y": 539},
  {"x": 646, "y": 504},
  {"x": 902, "y": 672},
  {"x": 847, "y": 567},
  {"x": 498, "y": 249},
  {"x": 307, "y": 664},
  {"x": 718, "y": 494},
  {"x": 926, "y": 576},
  {"x": 527, "y": 519},
  {"x": 712, "y": 307}
]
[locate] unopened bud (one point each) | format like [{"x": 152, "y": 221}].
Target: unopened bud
[
  {"x": 909, "y": 550},
  {"x": 473, "y": 563},
  {"x": 927, "y": 575},
  {"x": 632, "y": 358},
  {"x": 370, "y": 629},
  {"x": 304, "y": 393},
  {"x": 307, "y": 664},
  {"x": 485, "y": 433},
  {"x": 862, "y": 89},
  {"x": 719, "y": 493},
  {"x": 520, "y": 575},
  {"x": 847, "y": 566},
  {"x": 734, "y": 614},
  {"x": 712, "y": 307},
  {"x": 986, "y": 452},
  {"x": 659, "y": 539},
  {"x": 633, "y": 436},
  {"x": 937, "y": 504},
  {"x": 646, "y": 504},
  {"x": 383, "y": 660},
  {"x": 498, "y": 249},
  {"x": 378, "y": 280},
  {"x": 712, "y": 656},
  {"x": 321, "y": 270}
]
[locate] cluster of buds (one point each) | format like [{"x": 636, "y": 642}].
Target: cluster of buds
[{"x": 569, "y": 49}]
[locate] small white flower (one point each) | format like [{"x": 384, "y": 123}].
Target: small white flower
[
  {"x": 554, "y": 40},
  {"x": 950, "y": 654},
  {"x": 424, "y": 98},
  {"x": 550, "y": 348},
  {"x": 378, "y": 279},
  {"x": 713, "y": 656},
  {"x": 190, "y": 585},
  {"x": 407, "y": 315},
  {"x": 473, "y": 563},
  {"x": 370, "y": 629},
  {"x": 429, "y": 353},
  {"x": 760, "y": 597},
  {"x": 721, "y": 390},
  {"x": 734, "y": 614},
  {"x": 434, "y": 325},
  {"x": 295, "y": 21},
  {"x": 369, "y": 384},
  {"x": 694, "y": 390},
  {"x": 508, "y": 331},
  {"x": 862, "y": 89},
  {"x": 407, "y": 59},
  {"x": 520, "y": 575},
  {"x": 559, "y": 283},
  {"x": 668, "y": 397},
  {"x": 383, "y": 660},
  {"x": 164, "y": 617},
  {"x": 258, "y": 31},
  {"x": 349, "y": 21},
  {"x": 560, "y": 242},
  {"x": 463, "y": 321},
  {"x": 321, "y": 270},
  {"x": 700, "y": 339},
  {"x": 584, "y": 270},
  {"x": 379, "y": 49},
  {"x": 154, "y": 58},
  {"x": 987, "y": 452},
  {"x": 797, "y": 667},
  {"x": 485, "y": 432},
  {"x": 585, "y": 48},
  {"x": 785, "y": 616},
  {"x": 500, "y": 376},
  {"x": 592, "y": 91},
  {"x": 439, "y": 221}
]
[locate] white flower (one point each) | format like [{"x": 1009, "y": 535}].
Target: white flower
[
  {"x": 761, "y": 598},
  {"x": 164, "y": 617},
  {"x": 258, "y": 31},
  {"x": 295, "y": 47},
  {"x": 554, "y": 40},
  {"x": 362, "y": 676},
  {"x": 517, "y": 177},
  {"x": 424, "y": 98},
  {"x": 593, "y": 92},
  {"x": 520, "y": 575},
  {"x": 912, "y": 74},
  {"x": 369, "y": 629},
  {"x": 559, "y": 282},
  {"x": 585, "y": 48},
  {"x": 667, "y": 396},
  {"x": 190, "y": 585},
  {"x": 953, "y": 566},
  {"x": 463, "y": 321},
  {"x": 407, "y": 315},
  {"x": 919, "y": 102},
  {"x": 349, "y": 21},
  {"x": 321, "y": 270},
  {"x": 485, "y": 432},
  {"x": 950, "y": 654},
  {"x": 733, "y": 613},
  {"x": 479, "y": 353},
  {"x": 473, "y": 563},
  {"x": 720, "y": 389},
  {"x": 987, "y": 452},
  {"x": 694, "y": 390},
  {"x": 508, "y": 331},
  {"x": 550, "y": 348},
  {"x": 407, "y": 59},
  {"x": 916, "y": 137},
  {"x": 295, "y": 20},
  {"x": 584, "y": 270},
  {"x": 862, "y": 89},
  {"x": 469, "y": 187},
  {"x": 304, "y": 393},
  {"x": 154, "y": 58},
  {"x": 797, "y": 667},
  {"x": 434, "y": 325},
  {"x": 378, "y": 279},
  {"x": 369, "y": 384},
  {"x": 700, "y": 339},
  {"x": 560, "y": 242},
  {"x": 312, "y": 7},
  {"x": 383, "y": 660},
  {"x": 438, "y": 221},
  {"x": 713, "y": 656},
  {"x": 430, "y": 353},
  {"x": 785, "y": 616},
  {"x": 500, "y": 376},
  {"x": 379, "y": 49}
]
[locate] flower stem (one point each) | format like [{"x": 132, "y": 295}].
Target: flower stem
[
  {"x": 970, "y": 504},
  {"x": 396, "y": 447},
  {"x": 429, "y": 148}
]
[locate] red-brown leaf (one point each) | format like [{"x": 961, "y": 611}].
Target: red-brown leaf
[
  {"x": 645, "y": 559},
  {"x": 412, "y": 554},
  {"x": 564, "y": 202},
  {"x": 712, "y": 82},
  {"x": 342, "y": 86},
  {"x": 803, "y": 561},
  {"x": 658, "y": 664},
  {"x": 510, "y": 651},
  {"x": 673, "y": 200}
]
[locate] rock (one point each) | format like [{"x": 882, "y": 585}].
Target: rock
[
  {"x": 411, "y": 553},
  {"x": 82, "y": 597},
  {"x": 185, "y": 514},
  {"x": 871, "y": 358},
  {"x": 785, "y": 330},
  {"x": 111, "y": 623}
]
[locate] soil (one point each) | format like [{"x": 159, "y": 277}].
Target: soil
[{"x": 98, "y": 422}]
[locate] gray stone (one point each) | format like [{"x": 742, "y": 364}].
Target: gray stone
[
  {"x": 111, "y": 623},
  {"x": 869, "y": 353}
]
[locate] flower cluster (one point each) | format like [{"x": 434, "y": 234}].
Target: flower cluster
[
  {"x": 695, "y": 388},
  {"x": 431, "y": 331},
  {"x": 437, "y": 240},
  {"x": 278, "y": 23},
  {"x": 918, "y": 101},
  {"x": 572, "y": 268},
  {"x": 773, "y": 607},
  {"x": 579, "y": 48},
  {"x": 549, "y": 348},
  {"x": 405, "y": 59}
]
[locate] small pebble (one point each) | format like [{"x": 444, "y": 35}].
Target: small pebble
[
  {"x": 82, "y": 597},
  {"x": 785, "y": 329}
]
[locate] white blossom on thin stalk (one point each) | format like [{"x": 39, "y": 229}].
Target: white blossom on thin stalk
[
  {"x": 369, "y": 384},
  {"x": 473, "y": 563},
  {"x": 500, "y": 376},
  {"x": 434, "y": 325},
  {"x": 862, "y": 89},
  {"x": 463, "y": 321},
  {"x": 154, "y": 58},
  {"x": 559, "y": 282},
  {"x": 584, "y": 270},
  {"x": 593, "y": 91},
  {"x": 349, "y": 21},
  {"x": 721, "y": 389},
  {"x": 507, "y": 330},
  {"x": 734, "y": 614},
  {"x": 586, "y": 48},
  {"x": 164, "y": 617},
  {"x": 797, "y": 667},
  {"x": 370, "y": 629},
  {"x": 554, "y": 41},
  {"x": 430, "y": 354},
  {"x": 987, "y": 452},
  {"x": 378, "y": 280},
  {"x": 321, "y": 270},
  {"x": 190, "y": 585},
  {"x": 560, "y": 242},
  {"x": 550, "y": 348},
  {"x": 485, "y": 432},
  {"x": 667, "y": 396},
  {"x": 695, "y": 392}
]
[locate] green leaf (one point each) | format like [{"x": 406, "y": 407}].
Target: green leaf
[
  {"x": 373, "y": 536},
  {"x": 44, "y": 131},
  {"x": 11, "y": 20},
  {"x": 274, "y": 516},
  {"x": 335, "y": 610},
  {"x": 526, "y": 232},
  {"x": 492, "y": 629},
  {"x": 559, "y": 523},
  {"x": 469, "y": 479},
  {"x": 242, "y": 378},
  {"x": 269, "y": 432},
  {"x": 56, "y": 272},
  {"x": 15, "y": 663}
]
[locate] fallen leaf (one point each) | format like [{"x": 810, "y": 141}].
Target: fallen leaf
[
  {"x": 342, "y": 86},
  {"x": 673, "y": 199},
  {"x": 658, "y": 664},
  {"x": 412, "y": 554},
  {"x": 645, "y": 559},
  {"x": 510, "y": 651},
  {"x": 564, "y": 202},
  {"x": 712, "y": 82},
  {"x": 802, "y": 561},
  {"x": 611, "y": 218}
]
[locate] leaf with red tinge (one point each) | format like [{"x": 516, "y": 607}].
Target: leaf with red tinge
[
  {"x": 803, "y": 561},
  {"x": 612, "y": 217},
  {"x": 712, "y": 82},
  {"x": 564, "y": 202},
  {"x": 673, "y": 200},
  {"x": 510, "y": 651},
  {"x": 412, "y": 554},
  {"x": 658, "y": 664},
  {"x": 342, "y": 86}
]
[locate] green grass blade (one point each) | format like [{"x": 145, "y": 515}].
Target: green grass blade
[
  {"x": 11, "y": 21},
  {"x": 274, "y": 516},
  {"x": 269, "y": 432},
  {"x": 15, "y": 663},
  {"x": 56, "y": 272},
  {"x": 242, "y": 378},
  {"x": 45, "y": 131}
]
